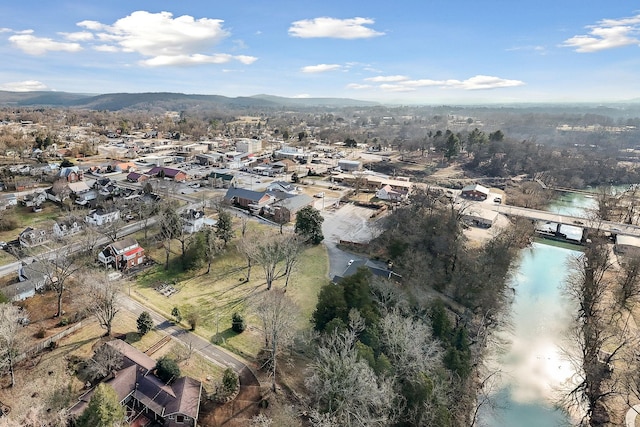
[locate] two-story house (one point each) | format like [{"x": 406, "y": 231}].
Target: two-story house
[
  {"x": 122, "y": 255},
  {"x": 30, "y": 237},
  {"x": 66, "y": 227},
  {"x": 192, "y": 221},
  {"x": 102, "y": 216}
]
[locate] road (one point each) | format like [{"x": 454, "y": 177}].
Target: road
[
  {"x": 199, "y": 344},
  {"x": 534, "y": 214},
  {"x": 131, "y": 228}
]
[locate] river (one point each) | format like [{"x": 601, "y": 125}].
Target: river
[{"x": 534, "y": 369}]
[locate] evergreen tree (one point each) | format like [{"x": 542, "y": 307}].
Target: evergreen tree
[
  {"x": 309, "y": 224},
  {"x": 104, "y": 409},
  {"x": 145, "y": 323},
  {"x": 224, "y": 227}
]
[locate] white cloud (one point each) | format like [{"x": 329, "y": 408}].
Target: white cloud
[
  {"x": 39, "y": 45},
  {"x": 354, "y": 28},
  {"x": 320, "y": 68},
  {"x": 106, "y": 48},
  {"x": 157, "y": 34},
  {"x": 80, "y": 36},
  {"x": 5, "y": 30},
  {"x": 24, "y": 86},
  {"x": 606, "y": 34},
  {"x": 483, "y": 82},
  {"x": 92, "y": 25},
  {"x": 474, "y": 83},
  {"x": 195, "y": 59},
  {"x": 537, "y": 49},
  {"x": 358, "y": 86},
  {"x": 396, "y": 88},
  {"x": 302, "y": 96},
  {"x": 379, "y": 79},
  {"x": 166, "y": 41}
]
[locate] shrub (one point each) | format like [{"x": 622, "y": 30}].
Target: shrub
[
  {"x": 41, "y": 333},
  {"x": 145, "y": 323},
  {"x": 175, "y": 312},
  {"x": 193, "y": 317},
  {"x": 63, "y": 322},
  {"x": 237, "y": 323},
  {"x": 167, "y": 369},
  {"x": 229, "y": 381}
]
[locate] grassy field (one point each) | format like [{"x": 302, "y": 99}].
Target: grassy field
[{"x": 216, "y": 296}]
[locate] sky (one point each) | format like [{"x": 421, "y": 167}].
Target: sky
[{"x": 393, "y": 51}]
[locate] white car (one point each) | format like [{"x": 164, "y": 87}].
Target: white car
[{"x": 350, "y": 262}]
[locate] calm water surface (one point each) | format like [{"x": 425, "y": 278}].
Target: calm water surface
[{"x": 535, "y": 369}]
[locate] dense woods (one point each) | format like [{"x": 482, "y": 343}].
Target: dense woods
[{"x": 421, "y": 341}]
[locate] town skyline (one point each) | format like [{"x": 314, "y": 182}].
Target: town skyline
[{"x": 382, "y": 52}]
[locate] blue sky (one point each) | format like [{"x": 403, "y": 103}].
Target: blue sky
[{"x": 400, "y": 51}]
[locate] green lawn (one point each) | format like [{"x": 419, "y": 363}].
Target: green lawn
[{"x": 216, "y": 296}]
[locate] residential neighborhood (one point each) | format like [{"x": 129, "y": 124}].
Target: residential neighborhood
[{"x": 159, "y": 243}]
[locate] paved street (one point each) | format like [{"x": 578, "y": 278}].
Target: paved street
[{"x": 199, "y": 344}]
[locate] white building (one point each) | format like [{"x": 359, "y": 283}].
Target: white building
[
  {"x": 102, "y": 217},
  {"x": 247, "y": 145}
]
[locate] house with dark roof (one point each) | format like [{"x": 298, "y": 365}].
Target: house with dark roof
[
  {"x": 248, "y": 199},
  {"x": 285, "y": 210},
  {"x": 164, "y": 172},
  {"x": 30, "y": 237},
  {"x": 222, "y": 180},
  {"x": 122, "y": 255},
  {"x": 66, "y": 227},
  {"x": 137, "y": 177},
  {"x": 148, "y": 400},
  {"x": 377, "y": 268},
  {"x": 31, "y": 278},
  {"x": 102, "y": 216}
]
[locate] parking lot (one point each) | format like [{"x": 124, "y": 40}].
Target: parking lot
[{"x": 349, "y": 222}]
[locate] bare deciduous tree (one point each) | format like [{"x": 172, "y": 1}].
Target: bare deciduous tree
[
  {"x": 57, "y": 266},
  {"x": 103, "y": 297},
  {"x": 278, "y": 315},
  {"x": 10, "y": 341},
  {"x": 105, "y": 360},
  {"x": 212, "y": 246},
  {"x": 343, "y": 387},
  {"x": 291, "y": 250}
]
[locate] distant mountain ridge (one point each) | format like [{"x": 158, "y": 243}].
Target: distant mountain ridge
[{"x": 166, "y": 100}]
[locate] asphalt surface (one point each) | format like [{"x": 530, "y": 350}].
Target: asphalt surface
[{"x": 213, "y": 353}]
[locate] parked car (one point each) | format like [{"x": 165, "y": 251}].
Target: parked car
[{"x": 350, "y": 262}]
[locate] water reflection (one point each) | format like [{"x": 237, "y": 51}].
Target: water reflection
[{"x": 534, "y": 367}]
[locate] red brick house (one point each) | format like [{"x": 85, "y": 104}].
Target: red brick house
[
  {"x": 247, "y": 199},
  {"x": 163, "y": 172},
  {"x": 475, "y": 192},
  {"x": 122, "y": 255}
]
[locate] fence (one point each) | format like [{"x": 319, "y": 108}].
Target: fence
[{"x": 46, "y": 343}]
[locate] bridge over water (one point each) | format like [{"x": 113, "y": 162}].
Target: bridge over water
[{"x": 539, "y": 215}]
